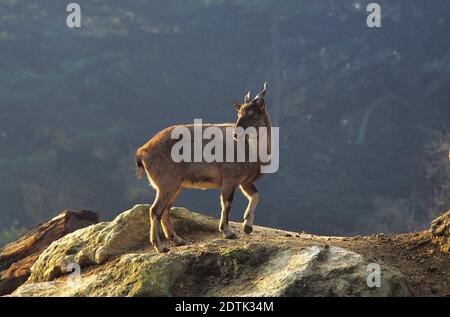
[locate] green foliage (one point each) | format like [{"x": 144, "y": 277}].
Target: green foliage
[
  {"x": 438, "y": 173},
  {"x": 355, "y": 105},
  {"x": 10, "y": 234}
]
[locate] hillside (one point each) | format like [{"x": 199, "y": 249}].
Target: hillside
[
  {"x": 363, "y": 113},
  {"x": 115, "y": 260}
]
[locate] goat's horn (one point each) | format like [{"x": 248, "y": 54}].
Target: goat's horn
[
  {"x": 247, "y": 97},
  {"x": 262, "y": 93}
]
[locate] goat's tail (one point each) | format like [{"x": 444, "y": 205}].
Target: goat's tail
[{"x": 140, "y": 169}]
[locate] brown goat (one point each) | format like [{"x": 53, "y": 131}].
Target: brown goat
[{"x": 168, "y": 177}]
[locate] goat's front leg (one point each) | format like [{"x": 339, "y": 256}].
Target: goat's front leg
[
  {"x": 252, "y": 195},
  {"x": 226, "y": 198}
]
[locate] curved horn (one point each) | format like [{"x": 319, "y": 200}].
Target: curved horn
[
  {"x": 247, "y": 97},
  {"x": 262, "y": 93}
]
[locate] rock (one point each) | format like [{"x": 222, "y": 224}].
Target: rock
[
  {"x": 318, "y": 271},
  {"x": 440, "y": 231},
  {"x": 132, "y": 275},
  {"x": 113, "y": 265},
  {"x": 17, "y": 257},
  {"x": 96, "y": 244}
]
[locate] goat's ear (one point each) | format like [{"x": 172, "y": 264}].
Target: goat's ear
[
  {"x": 236, "y": 106},
  {"x": 261, "y": 104}
]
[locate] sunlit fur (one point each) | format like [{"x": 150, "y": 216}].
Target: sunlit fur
[{"x": 169, "y": 177}]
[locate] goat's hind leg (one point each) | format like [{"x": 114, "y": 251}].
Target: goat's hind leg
[
  {"x": 167, "y": 225},
  {"x": 156, "y": 211},
  {"x": 226, "y": 198}
]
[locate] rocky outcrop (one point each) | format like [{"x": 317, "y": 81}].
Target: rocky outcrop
[
  {"x": 17, "y": 257},
  {"x": 101, "y": 242},
  {"x": 115, "y": 260},
  {"x": 440, "y": 231}
]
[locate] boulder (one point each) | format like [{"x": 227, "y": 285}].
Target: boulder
[
  {"x": 115, "y": 260},
  {"x": 98, "y": 243},
  {"x": 93, "y": 245},
  {"x": 323, "y": 271},
  {"x": 17, "y": 257},
  {"x": 132, "y": 275}
]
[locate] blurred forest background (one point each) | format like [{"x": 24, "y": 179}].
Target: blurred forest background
[{"x": 363, "y": 113}]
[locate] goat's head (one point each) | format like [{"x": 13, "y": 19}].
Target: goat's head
[{"x": 252, "y": 113}]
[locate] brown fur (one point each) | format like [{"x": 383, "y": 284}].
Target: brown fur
[{"x": 169, "y": 177}]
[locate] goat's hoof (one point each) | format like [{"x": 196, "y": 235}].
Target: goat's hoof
[
  {"x": 230, "y": 235},
  {"x": 248, "y": 229},
  {"x": 177, "y": 241},
  {"x": 161, "y": 249}
]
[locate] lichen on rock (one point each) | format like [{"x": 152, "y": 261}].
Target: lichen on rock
[
  {"x": 94, "y": 245},
  {"x": 115, "y": 262}
]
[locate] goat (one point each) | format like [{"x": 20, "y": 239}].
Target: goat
[{"x": 169, "y": 177}]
